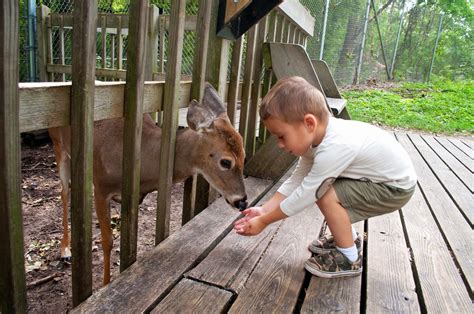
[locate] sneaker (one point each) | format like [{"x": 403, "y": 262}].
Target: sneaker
[
  {"x": 333, "y": 264},
  {"x": 326, "y": 243}
]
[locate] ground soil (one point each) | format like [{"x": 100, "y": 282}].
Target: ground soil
[{"x": 42, "y": 217}]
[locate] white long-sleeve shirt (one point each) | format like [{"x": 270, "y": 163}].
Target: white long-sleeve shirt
[{"x": 349, "y": 149}]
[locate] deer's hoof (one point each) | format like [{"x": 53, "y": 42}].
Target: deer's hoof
[{"x": 66, "y": 255}]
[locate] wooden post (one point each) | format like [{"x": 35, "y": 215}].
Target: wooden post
[
  {"x": 41, "y": 30},
  {"x": 82, "y": 123},
  {"x": 151, "y": 45},
  {"x": 197, "y": 88},
  {"x": 12, "y": 274},
  {"x": 132, "y": 135},
  {"x": 234, "y": 84},
  {"x": 170, "y": 119}
]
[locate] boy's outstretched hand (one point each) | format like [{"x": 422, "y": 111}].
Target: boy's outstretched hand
[{"x": 250, "y": 224}]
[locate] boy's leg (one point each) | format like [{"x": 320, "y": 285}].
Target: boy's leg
[{"x": 337, "y": 218}]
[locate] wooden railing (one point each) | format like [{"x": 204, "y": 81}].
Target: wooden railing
[{"x": 44, "y": 105}]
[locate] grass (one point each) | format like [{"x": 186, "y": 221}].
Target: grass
[{"x": 441, "y": 107}]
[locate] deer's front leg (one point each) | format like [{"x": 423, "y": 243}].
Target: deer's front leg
[{"x": 102, "y": 210}]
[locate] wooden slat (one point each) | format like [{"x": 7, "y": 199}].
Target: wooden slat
[
  {"x": 120, "y": 25},
  {"x": 458, "y": 191},
  {"x": 196, "y": 184},
  {"x": 247, "y": 86},
  {"x": 170, "y": 120},
  {"x": 256, "y": 89},
  {"x": 435, "y": 269},
  {"x": 152, "y": 42},
  {"x": 390, "y": 283},
  {"x": 12, "y": 274},
  {"x": 194, "y": 297},
  {"x": 334, "y": 295},
  {"x": 464, "y": 145},
  {"x": 82, "y": 123},
  {"x": 455, "y": 229},
  {"x": 230, "y": 264},
  {"x": 151, "y": 277},
  {"x": 298, "y": 15},
  {"x": 279, "y": 275},
  {"x": 42, "y": 40},
  {"x": 233, "y": 94},
  {"x": 460, "y": 151},
  {"x": 132, "y": 135},
  {"x": 464, "y": 174},
  {"x": 45, "y": 105}
]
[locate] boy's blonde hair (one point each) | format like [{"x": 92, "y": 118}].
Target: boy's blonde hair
[{"x": 291, "y": 99}]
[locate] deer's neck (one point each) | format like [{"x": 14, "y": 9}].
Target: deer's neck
[{"x": 186, "y": 154}]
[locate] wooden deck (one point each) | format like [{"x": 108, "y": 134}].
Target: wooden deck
[{"x": 419, "y": 259}]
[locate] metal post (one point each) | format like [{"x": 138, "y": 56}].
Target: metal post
[
  {"x": 362, "y": 44},
  {"x": 380, "y": 39},
  {"x": 323, "y": 35},
  {"x": 398, "y": 39},
  {"x": 435, "y": 45},
  {"x": 31, "y": 35}
]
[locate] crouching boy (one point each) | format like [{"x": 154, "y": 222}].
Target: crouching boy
[{"x": 350, "y": 169}]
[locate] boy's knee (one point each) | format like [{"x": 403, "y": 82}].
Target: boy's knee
[{"x": 328, "y": 198}]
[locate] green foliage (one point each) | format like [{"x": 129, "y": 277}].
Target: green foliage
[{"x": 440, "y": 107}]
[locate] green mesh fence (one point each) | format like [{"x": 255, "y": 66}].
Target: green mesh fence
[{"x": 414, "y": 23}]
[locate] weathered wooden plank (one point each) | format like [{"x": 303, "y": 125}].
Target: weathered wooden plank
[
  {"x": 194, "y": 297},
  {"x": 279, "y": 275},
  {"x": 455, "y": 165},
  {"x": 233, "y": 94},
  {"x": 196, "y": 184},
  {"x": 247, "y": 86},
  {"x": 460, "y": 151},
  {"x": 45, "y": 105},
  {"x": 151, "y": 58},
  {"x": 256, "y": 89},
  {"x": 457, "y": 232},
  {"x": 230, "y": 264},
  {"x": 435, "y": 269},
  {"x": 151, "y": 277},
  {"x": 42, "y": 12},
  {"x": 464, "y": 145},
  {"x": 390, "y": 283},
  {"x": 12, "y": 274},
  {"x": 132, "y": 135},
  {"x": 82, "y": 124},
  {"x": 170, "y": 119},
  {"x": 298, "y": 15},
  {"x": 458, "y": 191},
  {"x": 334, "y": 295}
]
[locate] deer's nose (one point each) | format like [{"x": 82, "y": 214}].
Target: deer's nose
[{"x": 241, "y": 204}]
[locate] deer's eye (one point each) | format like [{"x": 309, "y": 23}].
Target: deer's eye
[{"x": 226, "y": 163}]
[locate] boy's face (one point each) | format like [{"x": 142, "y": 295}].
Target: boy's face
[{"x": 295, "y": 138}]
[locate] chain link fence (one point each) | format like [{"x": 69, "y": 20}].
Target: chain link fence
[
  {"x": 359, "y": 46},
  {"x": 399, "y": 42}
]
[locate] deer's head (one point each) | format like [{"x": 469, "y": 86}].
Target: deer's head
[{"x": 221, "y": 150}]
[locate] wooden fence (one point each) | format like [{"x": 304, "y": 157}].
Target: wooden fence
[{"x": 34, "y": 106}]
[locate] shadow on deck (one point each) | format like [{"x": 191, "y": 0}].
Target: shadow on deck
[{"x": 419, "y": 259}]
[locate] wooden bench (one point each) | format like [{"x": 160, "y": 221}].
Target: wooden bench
[{"x": 292, "y": 60}]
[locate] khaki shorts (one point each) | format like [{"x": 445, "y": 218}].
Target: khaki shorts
[{"x": 364, "y": 199}]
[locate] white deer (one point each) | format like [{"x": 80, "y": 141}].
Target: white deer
[{"x": 210, "y": 146}]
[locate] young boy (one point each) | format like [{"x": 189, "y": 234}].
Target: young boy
[{"x": 352, "y": 170}]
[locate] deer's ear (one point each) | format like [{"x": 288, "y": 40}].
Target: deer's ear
[
  {"x": 212, "y": 100},
  {"x": 199, "y": 117}
]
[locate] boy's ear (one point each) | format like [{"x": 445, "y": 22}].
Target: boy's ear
[{"x": 310, "y": 122}]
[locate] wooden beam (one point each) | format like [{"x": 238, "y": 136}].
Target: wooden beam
[
  {"x": 12, "y": 274},
  {"x": 170, "y": 120},
  {"x": 46, "y": 105},
  {"x": 132, "y": 135},
  {"x": 82, "y": 124}
]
